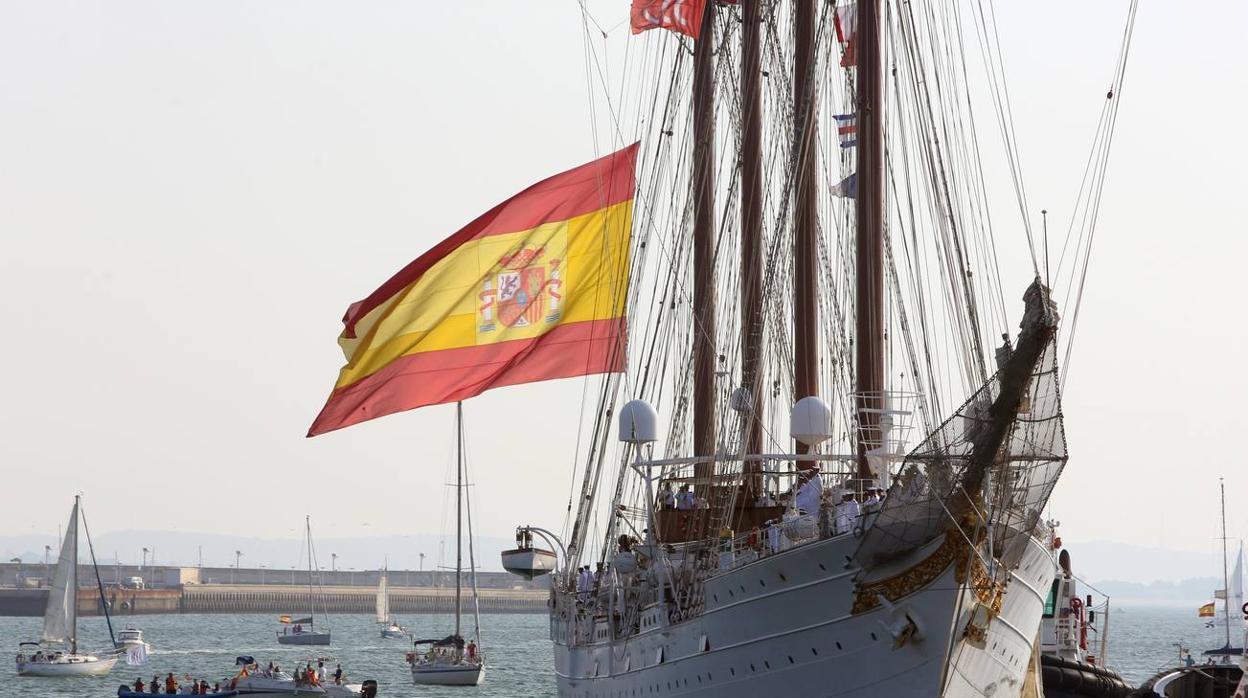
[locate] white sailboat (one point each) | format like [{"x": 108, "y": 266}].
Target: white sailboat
[
  {"x": 60, "y": 622},
  {"x": 390, "y": 627},
  {"x": 452, "y": 661},
  {"x": 302, "y": 631},
  {"x": 1232, "y": 597}
]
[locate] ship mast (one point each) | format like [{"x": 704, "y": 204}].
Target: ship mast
[
  {"x": 751, "y": 232},
  {"x": 805, "y": 213},
  {"x": 704, "y": 355},
  {"x": 869, "y": 237},
  {"x": 1226, "y": 580}
]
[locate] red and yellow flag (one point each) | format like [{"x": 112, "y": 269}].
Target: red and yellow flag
[
  {"x": 532, "y": 290},
  {"x": 1208, "y": 611}
]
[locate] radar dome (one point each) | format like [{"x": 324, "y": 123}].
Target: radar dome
[
  {"x": 639, "y": 423},
  {"x": 811, "y": 421}
]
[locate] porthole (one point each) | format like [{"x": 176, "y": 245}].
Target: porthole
[
  {"x": 838, "y": 645},
  {"x": 783, "y": 578},
  {"x": 873, "y": 639},
  {"x": 821, "y": 567},
  {"x": 814, "y": 651},
  {"x": 791, "y": 659},
  {"x": 732, "y": 671},
  {"x": 766, "y": 664},
  {"x": 752, "y": 668},
  {"x": 761, "y": 583}
]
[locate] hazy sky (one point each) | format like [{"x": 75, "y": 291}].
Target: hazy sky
[{"x": 191, "y": 193}]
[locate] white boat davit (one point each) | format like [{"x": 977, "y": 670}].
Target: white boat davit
[
  {"x": 451, "y": 661},
  {"x": 302, "y": 631},
  {"x": 60, "y": 621}
]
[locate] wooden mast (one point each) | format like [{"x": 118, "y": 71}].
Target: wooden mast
[
  {"x": 805, "y": 213},
  {"x": 704, "y": 354},
  {"x": 869, "y": 238},
  {"x": 752, "y": 230}
]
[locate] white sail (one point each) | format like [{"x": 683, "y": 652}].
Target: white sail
[
  {"x": 61, "y": 616},
  {"x": 383, "y": 600}
]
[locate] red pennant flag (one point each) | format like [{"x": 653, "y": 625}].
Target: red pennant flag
[
  {"x": 846, "y": 22},
  {"x": 680, "y": 16}
]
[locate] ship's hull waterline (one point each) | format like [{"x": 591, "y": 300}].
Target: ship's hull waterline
[{"x": 784, "y": 626}]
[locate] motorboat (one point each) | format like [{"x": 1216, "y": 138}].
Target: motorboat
[
  {"x": 272, "y": 682},
  {"x": 60, "y": 621},
  {"x": 130, "y": 636}
]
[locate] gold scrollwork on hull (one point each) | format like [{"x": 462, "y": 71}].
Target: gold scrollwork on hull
[{"x": 867, "y": 598}]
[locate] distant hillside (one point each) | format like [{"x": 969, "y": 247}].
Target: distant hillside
[
  {"x": 1106, "y": 560},
  {"x": 1193, "y": 592}
]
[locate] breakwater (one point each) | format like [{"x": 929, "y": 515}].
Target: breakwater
[{"x": 272, "y": 598}]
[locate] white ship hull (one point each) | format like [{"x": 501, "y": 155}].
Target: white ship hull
[
  {"x": 76, "y": 665},
  {"x": 784, "y": 626}
]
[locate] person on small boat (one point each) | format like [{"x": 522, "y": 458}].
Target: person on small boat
[
  {"x": 171, "y": 685},
  {"x": 155, "y": 685},
  {"x": 216, "y": 687},
  {"x": 320, "y": 669},
  {"x": 472, "y": 651},
  {"x": 138, "y": 685},
  {"x": 338, "y": 675}
]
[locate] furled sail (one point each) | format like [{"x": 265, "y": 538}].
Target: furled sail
[
  {"x": 61, "y": 617},
  {"x": 383, "y": 600},
  {"x": 998, "y": 456}
]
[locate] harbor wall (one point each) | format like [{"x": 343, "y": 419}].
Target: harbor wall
[{"x": 270, "y": 598}]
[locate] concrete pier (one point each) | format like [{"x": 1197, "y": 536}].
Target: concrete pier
[{"x": 271, "y": 598}]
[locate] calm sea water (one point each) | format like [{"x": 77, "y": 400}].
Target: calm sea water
[{"x": 517, "y": 648}]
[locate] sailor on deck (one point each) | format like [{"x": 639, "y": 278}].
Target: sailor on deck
[
  {"x": 847, "y": 512},
  {"x": 809, "y": 492}
]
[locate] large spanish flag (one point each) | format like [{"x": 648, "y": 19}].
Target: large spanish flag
[{"x": 532, "y": 290}]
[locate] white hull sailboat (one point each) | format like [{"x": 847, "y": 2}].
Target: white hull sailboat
[
  {"x": 303, "y": 631},
  {"x": 390, "y": 628},
  {"x": 451, "y": 661},
  {"x": 60, "y": 622}
]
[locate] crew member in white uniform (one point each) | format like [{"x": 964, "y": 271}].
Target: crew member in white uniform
[
  {"x": 809, "y": 492},
  {"x": 847, "y": 512}
]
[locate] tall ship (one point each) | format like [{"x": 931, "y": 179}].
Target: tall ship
[
  {"x": 820, "y": 442},
  {"x": 824, "y": 468}
]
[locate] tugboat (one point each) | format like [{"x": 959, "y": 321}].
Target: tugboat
[{"x": 1067, "y": 666}]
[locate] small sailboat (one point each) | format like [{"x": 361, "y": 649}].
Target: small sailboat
[
  {"x": 450, "y": 661},
  {"x": 302, "y": 631},
  {"x": 390, "y": 627},
  {"x": 56, "y": 653},
  {"x": 1231, "y": 595}
]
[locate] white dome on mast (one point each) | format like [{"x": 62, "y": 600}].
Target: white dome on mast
[
  {"x": 811, "y": 421},
  {"x": 639, "y": 423}
]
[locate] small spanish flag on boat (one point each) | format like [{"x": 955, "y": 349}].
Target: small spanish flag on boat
[
  {"x": 532, "y": 290},
  {"x": 1209, "y": 610}
]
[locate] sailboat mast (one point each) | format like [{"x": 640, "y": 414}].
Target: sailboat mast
[
  {"x": 459, "y": 499},
  {"x": 307, "y": 525},
  {"x": 805, "y": 212},
  {"x": 1226, "y": 580},
  {"x": 869, "y": 238},
  {"x": 72, "y": 605},
  {"x": 752, "y": 230},
  {"x": 704, "y": 355}
]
